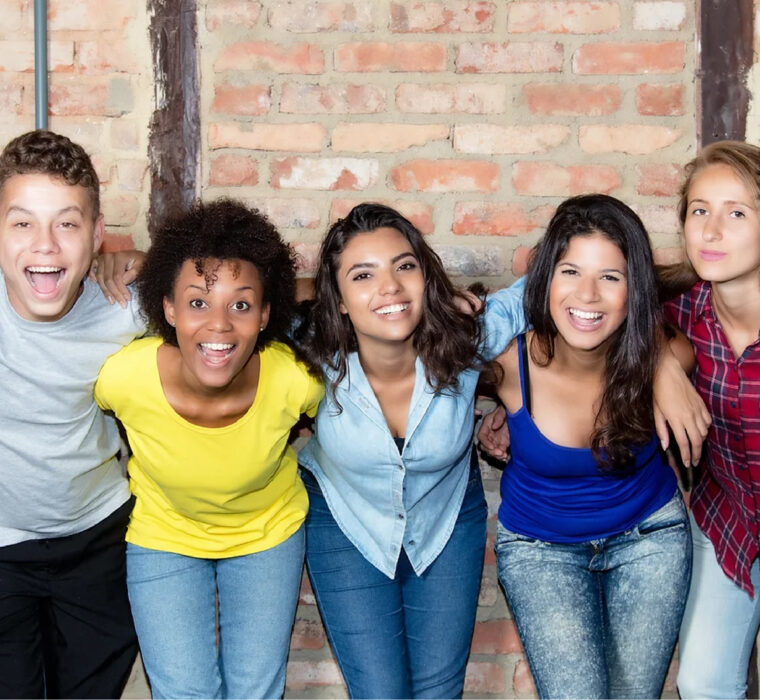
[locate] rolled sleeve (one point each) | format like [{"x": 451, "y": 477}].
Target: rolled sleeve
[{"x": 504, "y": 318}]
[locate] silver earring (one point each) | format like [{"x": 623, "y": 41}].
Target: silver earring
[{"x": 261, "y": 329}]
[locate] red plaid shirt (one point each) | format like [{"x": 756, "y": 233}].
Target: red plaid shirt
[{"x": 726, "y": 500}]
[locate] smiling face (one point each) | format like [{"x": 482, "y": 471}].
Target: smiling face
[
  {"x": 217, "y": 325},
  {"x": 381, "y": 286},
  {"x": 722, "y": 226},
  {"x": 588, "y": 295},
  {"x": 47, "y": 240}
]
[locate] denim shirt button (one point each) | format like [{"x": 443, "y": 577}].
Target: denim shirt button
[
  {"x": 400, "y": 516},
  {"x": 401, "y": 467},
  {"x": 411, "y": 543}
]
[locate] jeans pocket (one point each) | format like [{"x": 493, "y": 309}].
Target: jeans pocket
[
  {"x": 506, "y": 537},
  {"x": 672, "y": 515}
]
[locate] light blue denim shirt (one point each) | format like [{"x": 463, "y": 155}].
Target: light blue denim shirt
[{"x": 383, "y": 501}]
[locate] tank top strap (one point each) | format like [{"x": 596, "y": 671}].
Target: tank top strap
[{"x": 524, "y": 373}]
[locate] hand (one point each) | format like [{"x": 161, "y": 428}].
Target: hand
[
  {"x": 493, "y": 434},
  {"x": 114, "y": 271},
  {"x": 677, "y": 403},
  {"x": 467, "y": 302}
]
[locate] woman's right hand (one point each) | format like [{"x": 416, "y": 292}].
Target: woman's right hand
[{"x": 493, "y": 434}]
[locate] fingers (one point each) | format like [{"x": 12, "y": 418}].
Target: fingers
[
  {"x": 661, "y": 427},
  {"x": 113, "y": 272}
]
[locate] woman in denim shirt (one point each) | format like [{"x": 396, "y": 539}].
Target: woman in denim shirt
[{"x": 397, "y": 520}]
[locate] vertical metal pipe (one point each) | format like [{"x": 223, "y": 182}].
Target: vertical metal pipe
[{"x": 40, "y": 65}]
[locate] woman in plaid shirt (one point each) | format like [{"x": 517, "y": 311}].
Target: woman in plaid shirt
[{"x": 719, "y": 211}]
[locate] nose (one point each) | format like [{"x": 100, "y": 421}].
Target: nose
[
  {"x": 711, "y": 229},
  {"x": 44, "y": 240},
  {"x": 219, "y": 320},
  {"x": 389, "y": 283},
  {"x": 588, "y": 289}
]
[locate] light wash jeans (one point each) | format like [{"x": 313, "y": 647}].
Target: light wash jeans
[
  {"x": 718, "y": 630},
  {"x": 173, "y": 605},
  {"x": 599, "y": 619}
]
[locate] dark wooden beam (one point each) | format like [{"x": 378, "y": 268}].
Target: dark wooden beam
[
  {"x": 174, "y": 141},
  {"x": 725, "y": 58}
]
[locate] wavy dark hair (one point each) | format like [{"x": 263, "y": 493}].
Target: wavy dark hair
[
  {"x": 446, "y": 339},
  {"x": 625, "y": 416},
  {"x": 223, "y": 230}
]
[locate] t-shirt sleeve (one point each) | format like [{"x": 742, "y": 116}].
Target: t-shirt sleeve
[
  {"x": 504, "y": 318},
  {"x": 104, "y": 386},
  {"x": 315, "y": 390}
]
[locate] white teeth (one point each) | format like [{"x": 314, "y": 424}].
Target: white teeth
[
  {"x": 217, "y": 346},
  {"x": 587, "y": 315},
  {"x": 392, "y": 309},
  {"x": 43, "y": 268}
]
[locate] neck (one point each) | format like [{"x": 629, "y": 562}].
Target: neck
[
  {"x": 387, "y": 361},
  {"x": 578, "y": 362},
  {"x": 737, "y": 302}
]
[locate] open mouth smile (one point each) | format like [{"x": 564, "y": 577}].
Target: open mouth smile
[
  {"x": 392, "y": 309},
  {"x": 216, "y": 353},
  {"x": 44, "y": 279}
]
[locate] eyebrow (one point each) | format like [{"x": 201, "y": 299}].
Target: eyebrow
[
  {"x": 373, "y": 265},
  {"x": 605, "y": 269},
  {"x": 65, "y": 210},
  {"x": 205, "y": 289},
  {"x": 727, "y": 201}
]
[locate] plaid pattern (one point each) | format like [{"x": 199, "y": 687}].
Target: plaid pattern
[{"x": 726, "y": 500}]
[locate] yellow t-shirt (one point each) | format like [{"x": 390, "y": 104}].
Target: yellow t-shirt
[{"x": 210, "y": 492}]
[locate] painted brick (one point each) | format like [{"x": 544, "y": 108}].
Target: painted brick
[
  {"x": 668, "y": 256},
  {"x": 483, "y": 677},
  {"x": 294, "y": 212},
  {"x": 522, "y": 680},
  {"x": 445, "y": 176},
  {"x": 637, "y": 139},
  {"x": 572, "y": 100},
  {"x": 252, "y": 100},
  {"x": 399, "y": 57},
  {"x": 268, "y": 57},
  {"x": 109, "y": 55},
  {"x": 131, "y": 173},
  {"x": 124, "y": 136},
  {"x": 322, "y": 16},
  {"x": 658, "y": 16},
  {"x": 239, "y": 13},
  {"x": 563, "y": 17},
  {"x": 302, "y": 98},
  {"x": 19, "y": 56},
  {"x": 495, "y": 219},
  {"x": 88, "y": 133},
  {"x": 462, "y": 16},
  {"x": 114, "y": 242},
  {"x": 659, "y": 179},
  {"x": 231, "y": 169},
  {"x": 660, "y": 100},
  {"x": 471, "y": 261},
  {"x": 385, "y": 138},
  {"x": 551, "y": 179},
  {"x": 489, "y": 591},
  {"x": 445, "y": 98},
  {"x": 100, "y": 97},
  {"x": 496, "y": 637},
  {"x": 120, "y": 210},
  {"x": 90, "y": 15},
  {"x": 492, "y": 138},
  {"x": 630, "y": 58},
  {"x": 306, "y": 594},
  {"x": 307, "y": 634},
  {"x": 324, "y": 173},
  {"x": 302, "y": 674},
  {"x": 658, "y": 218},
  {"x": 307, "y": 259},
  {"x": 419, "y": 213},
  {"x": 513, "y": 57},
  {"x": 521, "y": 260},
  {"x": 309, "y": 138},
  {"x": 11, "y": 95}
]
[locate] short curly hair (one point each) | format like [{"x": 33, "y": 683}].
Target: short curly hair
[
  {"x": 223, "y": 230},
  {"x": 48, "y": 153}
]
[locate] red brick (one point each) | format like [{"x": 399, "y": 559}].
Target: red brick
[
  {"x": 496, "y": 637},
  {"x": 551, "y": 179},
  {"x": 253, "y": 100},
  {"x": 630, "y": 58},
  {"x": 240, "y": 13},
  {"x": 397, "y": 58},
  {"x": 513, "y": 57},
  {"x": 668, "y": 256},
  {"x": 81, "y": 97},
  {"x": 636, "y": 139},
  {"x": 489, "y": 558},
  {"x": 659, "y": 179},
  {"x": 304, "y": 138},
  {"x": 522, "y": 681},
  {"x": 363, "y": 137},
  {"x": 489, "y": 594},
  {"x": 106, "y": 55},
  {"x": 658, "y": 218},
  {"x": 307, "y": 634},
  {"x": 521, "y": 260},
  {"x": 90, "y": 15},
  {"x": 233, "y": 170},
  {"x": 300, "y": 98},
  {"x": 445, "y": 176},
  {"x": 306, "y": 594},
  {"x": 494, "y": 138},
  {"x": 563, "y": 17},
  {"x": 660, "y": 100},
  {"x": 324, "y": 174},
  {"x": 19, "y": 56},
  {"x": 445, "y": 98},
  {"x": 303, "y": 674},
  {"x": 11, "y": 95},
  {"x": 460, "y": 16},
  {"x": 482, "y": 677},
  {"x": 322, "y": 16},
  {"x": 268, "y": 57},
  {"x": 419, "y": 213},
  {"x": 572, "y": 100},
  {"x": 114, "y": 242},
  {"x": 495, "y": 219}
]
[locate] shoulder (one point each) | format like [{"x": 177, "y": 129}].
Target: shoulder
[
  {"x": 280, "y": 362},
  {"x": 686, "y": 308},
  {"x": 136, "y": 353}
]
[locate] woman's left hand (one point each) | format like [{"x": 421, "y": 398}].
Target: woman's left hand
[{"x": 114, "y": 271}]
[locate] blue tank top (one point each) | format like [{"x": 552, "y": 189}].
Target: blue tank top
[{"x": 558, "y": 494}]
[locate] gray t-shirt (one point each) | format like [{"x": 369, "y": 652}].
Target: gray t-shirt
[{"x": 58, "y": 472}]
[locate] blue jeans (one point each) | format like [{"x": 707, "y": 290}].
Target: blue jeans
[
  {"x": 173, "y": 600},
  {"x": 599, "y": 619},
  {"x": 718, "y": 629},
  {"x": 406, "y": 637}
]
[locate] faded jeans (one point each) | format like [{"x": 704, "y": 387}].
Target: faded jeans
[{"x": 599, "y": 619}]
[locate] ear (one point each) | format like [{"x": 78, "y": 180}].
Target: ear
[
  {"x": 265, "y": 315},
  {"x": 343, "y": 308},
  {"x": 98, "y": 233},
  {"x": 169, "y": 311}
]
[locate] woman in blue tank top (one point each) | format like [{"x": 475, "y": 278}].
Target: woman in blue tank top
[{"x": 593, "y": 544}]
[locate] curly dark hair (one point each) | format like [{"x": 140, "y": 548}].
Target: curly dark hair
[
  {"x": 446, "y": 339},
  {"x": 223, "y": 230},
  {"x": 48, "y": 153},
  {"x": 625, "y": 417}
]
